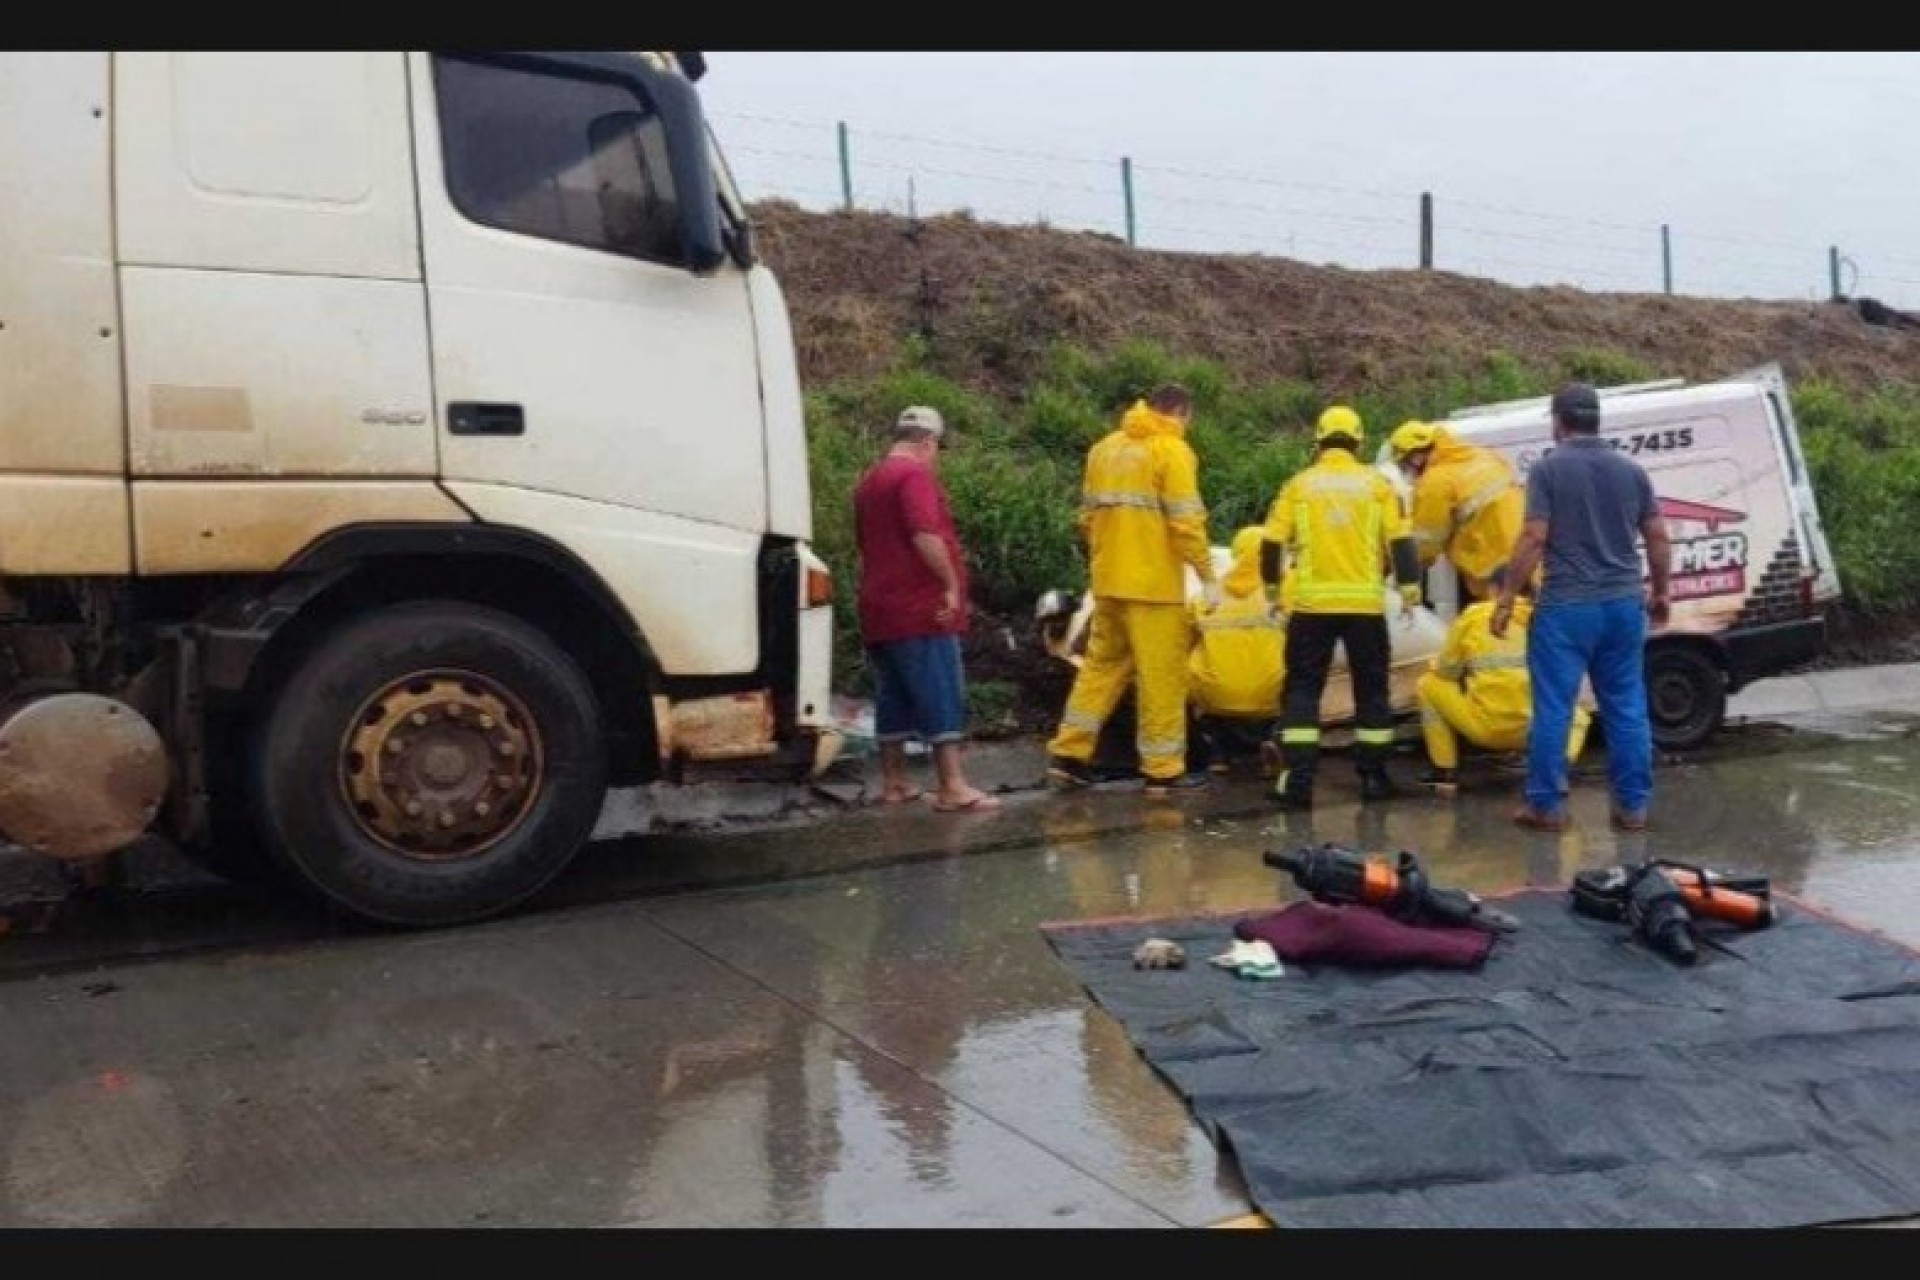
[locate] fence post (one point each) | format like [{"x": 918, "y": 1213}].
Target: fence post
[
  {"x": 1666, "y": 257},
  {"x": 846, "y": 169},
  {"x": 1126, "y": 187},
  {"x": 1426, "y": 230},
  {"x": 1833, "y": 270}
]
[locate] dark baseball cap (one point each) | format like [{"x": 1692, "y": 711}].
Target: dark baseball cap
[{"x": 1577, "y": 402}]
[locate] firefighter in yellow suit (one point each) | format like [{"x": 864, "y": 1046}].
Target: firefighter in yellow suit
[
  {"x": 1337, "y": 526},
  {"x": 1144, "y": 525},
  {"x": 1478, "y": 691},
  {"x": 1238, "y": 658},
  {"x": 1467, "y": 501}
]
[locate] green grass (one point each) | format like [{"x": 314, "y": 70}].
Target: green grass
[{"x": 1013, "y": 470}]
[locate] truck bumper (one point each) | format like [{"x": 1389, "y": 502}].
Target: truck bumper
[{"x": 1756, "y": 652}]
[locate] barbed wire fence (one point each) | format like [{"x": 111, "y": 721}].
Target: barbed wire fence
[{"x": 825, "y": 165}]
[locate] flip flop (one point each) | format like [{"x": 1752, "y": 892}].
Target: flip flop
[
  {"x": 980, "y": 803},
  {"x": 905, "y": 797}
]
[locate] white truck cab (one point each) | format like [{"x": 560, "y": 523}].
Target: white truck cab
[
  {"x": 1752, "y": 576},
  {"x": 396, "y": 449}
]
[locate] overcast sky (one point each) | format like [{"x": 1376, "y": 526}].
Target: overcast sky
[{"x": 1544, "y": 167}]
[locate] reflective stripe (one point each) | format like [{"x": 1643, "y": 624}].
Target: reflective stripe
[
  {"x": 1162, "y": 747},
  {"x": 1080, "y": 720},
  {"x": 1449, "y": 671},
  {"x": 1305, "y": 593},
  {"x": 1300, "y": 736},
  {"x": 1472, "y": 505},
  {"x": 1303, "y": 548},
  {"x": 1498, "y": 662},
  {"x": 1427, "y": 536},
  {"x": 1373, "y": 737},
  {"x": 1096, "y": 498},
  {"x": 1252, "y": 622},
  {"x": 1316, "y": 481}
]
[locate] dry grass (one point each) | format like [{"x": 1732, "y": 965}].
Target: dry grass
[{"x": 995, "y": 296}]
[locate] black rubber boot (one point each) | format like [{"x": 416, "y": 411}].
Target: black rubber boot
[
  {"x": 1293, "y": 789},
  {"x": 1375, "y": 785}
]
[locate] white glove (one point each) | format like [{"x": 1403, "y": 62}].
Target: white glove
[{"x": 1210, "y": 593}]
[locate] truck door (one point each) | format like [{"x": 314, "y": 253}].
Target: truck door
[
  {"x": 590, "y": 386},
  {"x": 277, "y": 383}
]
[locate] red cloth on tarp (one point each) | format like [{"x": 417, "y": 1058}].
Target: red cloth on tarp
[{"x": 1364, "y": 937}]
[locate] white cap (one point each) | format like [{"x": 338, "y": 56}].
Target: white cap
[{"x": 920, "y": 417}]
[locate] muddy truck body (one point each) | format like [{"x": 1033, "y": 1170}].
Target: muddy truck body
[{"x": 397, "y": 450}]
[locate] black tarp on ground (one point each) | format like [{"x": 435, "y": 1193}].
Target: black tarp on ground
[{"x": 1576, "y": 1080}]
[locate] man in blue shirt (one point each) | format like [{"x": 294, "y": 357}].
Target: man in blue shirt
[{"x": 1587, "y": 503}]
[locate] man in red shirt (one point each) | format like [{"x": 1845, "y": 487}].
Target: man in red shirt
[{"x": 913, "y": 611}]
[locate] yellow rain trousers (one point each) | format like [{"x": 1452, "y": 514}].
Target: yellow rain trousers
[
  {"x": 1144, "y": 524},
  {"x": 1239, "y": 649},
  {"x": 1129, "y": 641},
  {"x": 1478, "y": 690},
  {"x": 1467, "y": 505}
]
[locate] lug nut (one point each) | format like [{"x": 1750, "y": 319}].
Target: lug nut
[
  {"x": 419, "y": 719},
  {"x": 413, "y": 808},
  {"x": 396, "y": 745},
  {"x": 506, "y": 748},
  {"x": 446, "y": 819},
  {"x": 482, "y": 809}
]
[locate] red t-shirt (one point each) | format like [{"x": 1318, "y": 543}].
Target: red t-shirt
[{"x": 899, "y": 594}]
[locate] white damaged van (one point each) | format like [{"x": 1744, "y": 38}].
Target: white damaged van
[{"x": 1752, "y": 578}]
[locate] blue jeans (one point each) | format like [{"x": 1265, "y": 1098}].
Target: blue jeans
[
  {"x": 1606, "y": 642},
  {"x": 919, "y": 690}
]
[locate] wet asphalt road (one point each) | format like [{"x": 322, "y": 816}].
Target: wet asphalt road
[{"x": 838, "y": 1039}]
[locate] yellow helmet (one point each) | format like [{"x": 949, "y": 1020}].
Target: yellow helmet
[
  {"x": 1409, "y": 436},
  {"x": 1338, "y": 420}
]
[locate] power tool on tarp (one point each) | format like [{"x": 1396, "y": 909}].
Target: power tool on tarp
[
  {"x": 1398, "y": 886},
  {"x": 1661, "y": 900}
]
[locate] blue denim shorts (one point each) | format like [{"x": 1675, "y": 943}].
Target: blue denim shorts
[{"x": 919, "y": 690}]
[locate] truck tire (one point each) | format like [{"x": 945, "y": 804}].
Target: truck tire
[
  {"x": 433, "y": 763},
  {"x": 1686, "y": 696}
]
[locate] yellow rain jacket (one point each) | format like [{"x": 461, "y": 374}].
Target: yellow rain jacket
[
  {"x": 1239, "y": 649},
  {"x": 1478, "y": 689},
  {"x": 1337, "y": 520},
  {"x": 1468, "y": 505},
  {"x": 1492, "y": 670},
  {"x": 1140, "y": 511}
]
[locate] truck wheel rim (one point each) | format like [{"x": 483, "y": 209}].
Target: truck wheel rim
[
  {"x": 1673, "y": 698},
  {"x": 441, "y": 765}
]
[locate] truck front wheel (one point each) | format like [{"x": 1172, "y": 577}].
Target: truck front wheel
[{"x": 429, "y": 764}]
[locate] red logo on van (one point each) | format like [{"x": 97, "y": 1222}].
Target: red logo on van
[
  {"x": 1709, "y": 564},
  {"x": 1699, "y": 513}
]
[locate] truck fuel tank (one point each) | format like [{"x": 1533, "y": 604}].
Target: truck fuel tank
[{"x": 81, "y": 775}]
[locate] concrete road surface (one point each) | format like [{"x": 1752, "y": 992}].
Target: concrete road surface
[{"x": 857, "y": 1023}]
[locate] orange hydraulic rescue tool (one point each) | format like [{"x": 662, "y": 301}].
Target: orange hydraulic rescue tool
[
  {"x": 1398, "y": 887},
  {"x": 1662, "y": 899}
]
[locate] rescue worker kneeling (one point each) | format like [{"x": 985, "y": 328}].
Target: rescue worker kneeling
[
  {"x": 1235, "y": 668},
  {"x": 1478, "y": 690}
]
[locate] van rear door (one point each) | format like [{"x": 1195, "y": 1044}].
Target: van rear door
[{"x": 1825, "y": 586}]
